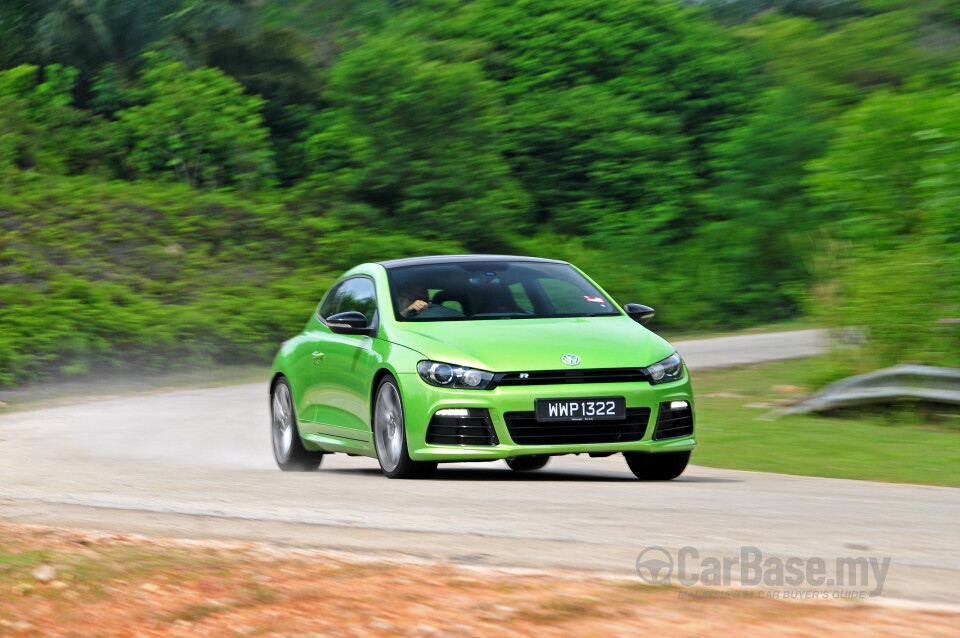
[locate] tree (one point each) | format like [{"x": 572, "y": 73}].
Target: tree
[
  {"x": 891, "y": 173},
  {"x": 758, "y": 215},
  {"x": 39, "y": 127},
  {"x": 612, "y": 106},
  {"x": 18, "y": 21},
  {"x": 418, "y": 141},
  {"x": 90, "y": 33},
  {"x": 836, "y": 65},
  {"x": 197, "y": 127},
  {"x": 891, "y": 187},
  {"x": 597, "y": 164}
]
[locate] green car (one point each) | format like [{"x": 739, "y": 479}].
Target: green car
[{"x": 429, "y": 360}]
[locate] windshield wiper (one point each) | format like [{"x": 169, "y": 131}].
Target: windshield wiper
[{"x": 508, "y": 315}]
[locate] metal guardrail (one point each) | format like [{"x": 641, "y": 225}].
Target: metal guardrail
[{"x": 899, "y": 383}]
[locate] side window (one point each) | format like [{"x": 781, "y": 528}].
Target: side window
[
  {"x": 329, "y": 306},
  {"x": 357, "y": 295}
]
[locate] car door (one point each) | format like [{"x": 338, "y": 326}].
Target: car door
[
  {"x": 343, "y": 378},
  {"x": 309, "y": 363}
]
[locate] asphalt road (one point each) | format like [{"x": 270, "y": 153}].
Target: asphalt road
[{"x": 197, "y": 463}]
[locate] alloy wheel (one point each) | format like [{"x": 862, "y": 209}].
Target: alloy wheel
[{"x": 388, "y": 426}]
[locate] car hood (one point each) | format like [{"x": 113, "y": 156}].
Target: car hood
[{"x": 510, "y": 345}]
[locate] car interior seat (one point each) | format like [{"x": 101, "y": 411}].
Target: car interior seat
[{"x": 444, "y": 297}]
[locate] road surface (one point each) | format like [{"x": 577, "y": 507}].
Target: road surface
[{"x": 198, "y": 463}]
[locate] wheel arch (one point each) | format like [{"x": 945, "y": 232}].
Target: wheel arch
[
  {"x": 377, "y": 378},
  {"x": 273, "y": 384},
  {"x": 273, "y": 381}
]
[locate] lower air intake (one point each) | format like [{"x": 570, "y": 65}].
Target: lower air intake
[
  {"x": 526, "y": 430},
  {"x": 673, "y": 423},
  {"x": 461, "y": 427}
]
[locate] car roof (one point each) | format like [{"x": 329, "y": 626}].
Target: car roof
[{"x": 453, "y": 259}]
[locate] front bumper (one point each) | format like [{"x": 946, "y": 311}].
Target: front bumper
[{"x": 421, "y": 401}]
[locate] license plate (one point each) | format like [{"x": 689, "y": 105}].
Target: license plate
[{"x": 591, "y": 409}]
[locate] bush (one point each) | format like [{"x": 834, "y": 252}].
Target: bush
[
  {"x": 148, "y": 277},
  {"x": 890, "y": 181},
  {"x": 199, "y": 128},
  {"x": 894, "y": 306}
]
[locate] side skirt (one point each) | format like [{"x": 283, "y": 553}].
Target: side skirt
[{"x": 329, "y": 443}]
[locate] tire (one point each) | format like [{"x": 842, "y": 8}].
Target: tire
[
  {"x": 288, "y": 450},
  {"x": 662, "y": 466},
  {"x": 527, "y": 463},
  {"x": 390, "y": 435}
]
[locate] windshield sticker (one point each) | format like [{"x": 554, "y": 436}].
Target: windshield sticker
[{"x": 594, "y": 299}]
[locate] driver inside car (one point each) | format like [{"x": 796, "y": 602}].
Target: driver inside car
[{"x": 412, "y": 300}]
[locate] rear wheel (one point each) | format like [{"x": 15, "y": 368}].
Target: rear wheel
[
  {"x": 661, "y": 466},
  {"x": 288, "y": 449},
  {"x": 527, "y": 463},
  {"x": 390, "y": 435}
]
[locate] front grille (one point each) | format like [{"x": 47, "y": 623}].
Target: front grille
[
  {"x": 475, "y": 428},
  {"x": 554, "y": 377},
  {"x": 526, "y": 430},
  {"x": 673, "y": 423}
]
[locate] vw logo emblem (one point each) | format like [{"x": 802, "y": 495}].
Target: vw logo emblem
[{"x": 570, "y": 359}]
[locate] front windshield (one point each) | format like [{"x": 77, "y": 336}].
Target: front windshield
[{"x": 476, "y": 290}]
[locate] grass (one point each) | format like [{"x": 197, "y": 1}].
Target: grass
[
  {"x": 94, "y": 571},
  {"x": 902, "y": 444},
  {"x": 15, "y": 563},
  {"x": 563, "y": 608},
  {"x": 195, "y": 612}
]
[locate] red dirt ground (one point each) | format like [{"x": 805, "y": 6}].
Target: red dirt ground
[{"x": 118, "y": 585}]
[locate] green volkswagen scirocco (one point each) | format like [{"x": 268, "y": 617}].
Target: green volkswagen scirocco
[{"x": 429, "y": 360}]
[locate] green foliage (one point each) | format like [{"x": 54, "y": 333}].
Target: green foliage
[
  {"x": 418, "y": 141},
  {"x": 611, "y": 106},
  {"x": 724, "y": 162},
  {"x": 891, "y": 174},
  {"x": 598, "y": 165},
  {"x": 837, "y": 65},
  {"x": 898, "y": 443},
  {"x": 39, "y": 128},
  {"x": 18, "y": 19},
  {"x": 198, "y": 127},
  {"x": 97, "y": 276},
  {"x": 887, "y": 301},
  {"x": 760, "y": 200},
  {"x": 87, "y": 34},
  {"x": 891, "y": 184}
]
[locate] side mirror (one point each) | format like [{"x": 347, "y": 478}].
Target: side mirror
[
  {"x": 348, "y": 323},
  {"x": 639, "y": 313}
]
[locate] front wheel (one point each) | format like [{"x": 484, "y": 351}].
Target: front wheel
[
  {"x": 661, "y": 466},
  {"x": 390, "y": 435},
  {"x": 527, "y": 463},
  {"x": 288, "y": 449}
]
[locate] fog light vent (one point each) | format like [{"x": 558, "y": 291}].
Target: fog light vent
[
  {"x": 461, "y": 426},
  {"x": 675, "y": 420}
]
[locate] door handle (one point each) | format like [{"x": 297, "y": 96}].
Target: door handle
[{"x": 317, "y": 357}]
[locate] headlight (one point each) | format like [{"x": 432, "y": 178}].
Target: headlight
[
  {"x": 670, "y": 369},
  {"x": 445, "y": 375}
]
